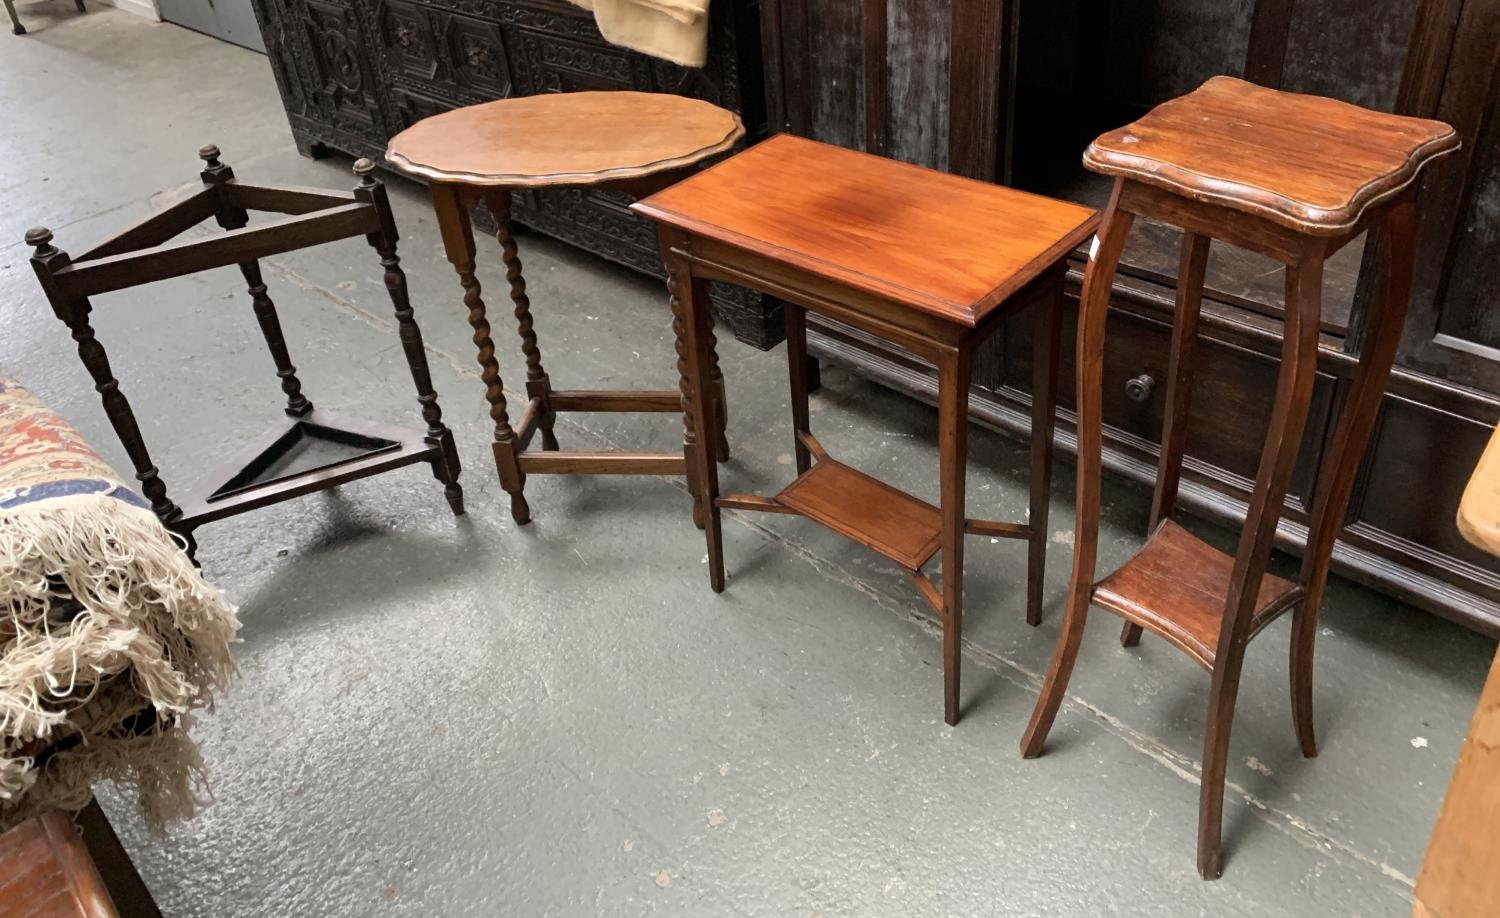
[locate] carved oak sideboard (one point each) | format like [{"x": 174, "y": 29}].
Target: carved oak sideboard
[{"x": 352, "y": 73}]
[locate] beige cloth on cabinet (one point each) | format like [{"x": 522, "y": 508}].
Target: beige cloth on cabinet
[{"x": 676, "y": 30}]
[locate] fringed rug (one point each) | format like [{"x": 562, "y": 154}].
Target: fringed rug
[{"x": 109, "y": 636}]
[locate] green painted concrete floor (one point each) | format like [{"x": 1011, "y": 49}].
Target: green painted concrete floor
[{"x": 440, "y": 716}]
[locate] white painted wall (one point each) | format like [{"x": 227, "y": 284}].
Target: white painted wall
[{"x": 147, "y": 9}]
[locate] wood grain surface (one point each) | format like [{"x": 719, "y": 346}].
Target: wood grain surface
[
  {"x": 46, "y": 872},
  {"x": 571, "y": 139},
  {"x": 956, "y": 250},
  {"x": 1479, "y": 511},
  {"x": 1176, "y": 588},
  {"x": 867, "y": 510},
  {"x": 1458, "y": 877},
  {"x": 1308, "y": 163}
]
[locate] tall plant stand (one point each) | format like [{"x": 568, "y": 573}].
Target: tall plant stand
[
  {"x": 314, "y": 449},
  {"x": 1294, "y": 178}
]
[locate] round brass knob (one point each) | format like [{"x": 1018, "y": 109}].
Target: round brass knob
[{"x": 1139, "y": 388}]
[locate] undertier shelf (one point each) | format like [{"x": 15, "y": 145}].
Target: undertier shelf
[
  {"x": 304, "y": 448},
  {"x": 301, "y": 456},
  {"x": 1176, "y": 587},
  {"x": 866, "y": 510}
]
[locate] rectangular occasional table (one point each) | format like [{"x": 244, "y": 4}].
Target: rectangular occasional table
[{"x": 931, "y": 262}]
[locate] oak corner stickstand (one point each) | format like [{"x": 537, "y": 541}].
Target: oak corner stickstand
[{"x": 270, "y": 470}]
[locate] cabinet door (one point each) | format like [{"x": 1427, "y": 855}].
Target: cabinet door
[
  {"x": 917, "y": 80},
  {"x": 284, "y": 39},
  {"x": 1453, "y": 331}
]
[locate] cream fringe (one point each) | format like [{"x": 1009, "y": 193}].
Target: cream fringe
[{"x": 102, "y": 616}]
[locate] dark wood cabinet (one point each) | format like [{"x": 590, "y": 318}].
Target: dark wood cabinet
[
  {"x": 1013, "y": 90},
  {"x": 354, "y": 72}
]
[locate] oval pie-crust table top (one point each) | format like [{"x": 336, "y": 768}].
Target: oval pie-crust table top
[{"x": 564, "y": 139}]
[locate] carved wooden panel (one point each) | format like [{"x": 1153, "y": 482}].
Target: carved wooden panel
[
  {"x": 282, "y": 34},
  {"x": 406, "y": 35},
  {"x": 477, "y": 55},
  {"x": 344, "y": 90},
  {"x": 558, "y": 64},
  {"x": 914, "y": 125},
  {"x": 409, "y": 106},
  {"x": 1472, "y": 292}
]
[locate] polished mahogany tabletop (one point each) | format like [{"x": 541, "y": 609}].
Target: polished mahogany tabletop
[
  {"x": 564, "y": 139},
  {"x": 947, "y": 245}
]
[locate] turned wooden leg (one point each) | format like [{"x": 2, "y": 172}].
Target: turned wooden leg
[
  {"x": 1342, "y": 460},
  {"x": 691, "y": 311},
  {"x": 297, "y": 404},
  {"x": 796, "y": 362},
  {"x": 230, "y": 217},
  {"x": 1046, "y": 342},
  {"x": 446, "y": 466},
  {"x": 46, "y": 260},
  {"x": 1294, "y": 388},
  {"x": 1093, "y": 310},
  {"x": 458, "y": 245},
  {"x": 1192, "y": 266},
  {"x": 79, "y": 4},
  {"x": 122, "y": 418},
  {"x": 720, "y": 405},
  {"x": 538, "y": 386},
  {"x": 684, "y": 348},
  {"x": 15, "y": 21},
  {"x": 720, "y": 402},
  {"x": 953, "y": 456}
]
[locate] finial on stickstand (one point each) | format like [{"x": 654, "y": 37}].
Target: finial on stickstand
[
  {"x": 39, "y": 236},
  {"x": 214, "y": 172},
  {"x": 365, "y": 169}
]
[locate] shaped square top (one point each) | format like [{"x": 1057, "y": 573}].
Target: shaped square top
[
  {"x": 946, "y": 245},
  {"x": 1305, "y": 162}
]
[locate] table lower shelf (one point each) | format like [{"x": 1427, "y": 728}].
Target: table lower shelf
[
  {"x": 867, "y": 510},
  {"x": 1176, "y": 587}
]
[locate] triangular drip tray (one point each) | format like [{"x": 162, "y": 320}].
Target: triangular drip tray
[{"x": 303, "y": 448}]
